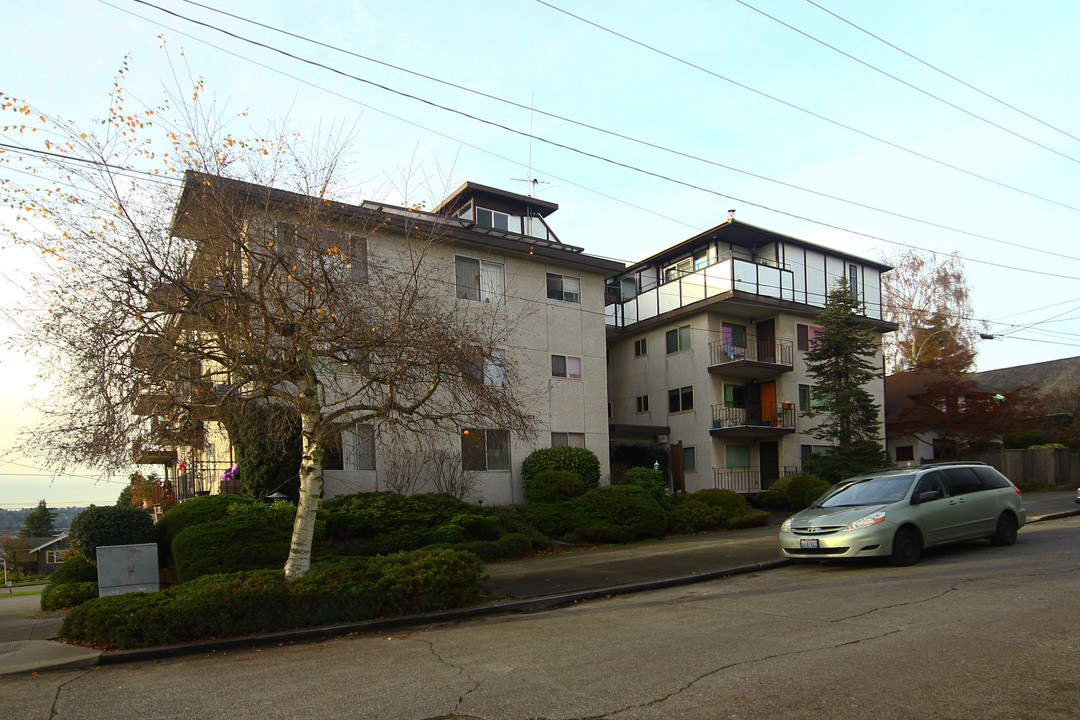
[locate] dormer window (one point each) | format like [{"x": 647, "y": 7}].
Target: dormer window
[{"x": 492, "y": 219}]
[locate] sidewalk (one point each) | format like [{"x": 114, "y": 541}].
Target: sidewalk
[{"x": 513, "y": 586}]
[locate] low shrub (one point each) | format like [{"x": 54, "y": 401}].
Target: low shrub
[
  {"x": 611, "y": 514},
  {"x": 343, "y": 590},
  {"x": 571, "y": 459},
  {"x": 384, "y": 522},
  {"x": 73, "y": 570},
  {"x": 245, "y": 541},
  {"x": 65, "y": 595},
  {"x": 649, "y": 480},
  {"x": 109, "y": 525},
  {"x": 197, "y": 510},
  {"x": 554, "y": 486},
  {"x": 804, "y": 489},
  {"x": 713, "y": 510}
]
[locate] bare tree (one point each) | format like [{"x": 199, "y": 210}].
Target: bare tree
[
  {"x": 448, "y": 476},
  {"x": 404, "y": 467},
  {"x": 167, "y": 296},
  {"x": 928, "y": 297}
]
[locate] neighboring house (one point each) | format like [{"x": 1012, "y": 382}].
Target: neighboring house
[
  {"x": 706, "y": 348},
  {"x": 926, "y": 413},
  {"x": 40, "y": 555},
  {"x": 1050, "y": 376},
  {"x": 495, "y": 248}
]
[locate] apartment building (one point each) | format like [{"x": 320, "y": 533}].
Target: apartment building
[
  {"x": 706, "y": 351},
  {"x": 496, "y": 252}
]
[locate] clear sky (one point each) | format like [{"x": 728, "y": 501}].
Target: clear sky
[{"x": 767, "y": 112}]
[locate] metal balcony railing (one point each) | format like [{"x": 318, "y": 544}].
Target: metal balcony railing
[
  {"x": 772, "y": 351},
  {"x": 757, "y": 415}
]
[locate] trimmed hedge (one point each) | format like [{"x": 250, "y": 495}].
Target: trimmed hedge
[
  {"x": 385, "y": 522},
  {"x": 248, "y": 540},
  {"x": 65, "y": 595},
  {"x": 571, "y": 459},
  {"x": 553, "y": 486},
  {"x": 793, "y": 492},
  {"x": 713, "y": 510},
  {"x": 196, "y": 511},
  {"x": 109, "y": 525},
  {"x": 346, "y": 590},
  {"x": 652, "y": 481},
  {"x": 611, "y": 514},
  {"x": 73, "y": 570}
]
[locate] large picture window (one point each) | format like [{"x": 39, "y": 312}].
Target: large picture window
[
  {"x": 485, "y": 449},
  {"x": 480, "y": 280}
]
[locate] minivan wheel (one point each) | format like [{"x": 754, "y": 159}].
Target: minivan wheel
[
  {"x": 906, "y": 546},
  {"x": 1005, "y": 534}
]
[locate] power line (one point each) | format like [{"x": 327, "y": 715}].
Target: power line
[
  {"x": 611, "y": 133},
  {"x": 905, "y": 83},
  {"x": 811, "y": 113},
  {"x": 943, "y": 72},
  {"x": 569, "y": 148}
]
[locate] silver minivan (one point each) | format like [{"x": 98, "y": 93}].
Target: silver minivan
[{"x": 896, "y": 513}]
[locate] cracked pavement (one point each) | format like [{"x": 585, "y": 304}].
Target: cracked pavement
[{"x": 972, "y": 631}]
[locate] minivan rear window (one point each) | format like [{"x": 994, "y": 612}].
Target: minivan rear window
[{"x": 991, "y": 478}]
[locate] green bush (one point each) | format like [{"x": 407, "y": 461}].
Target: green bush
[
  {"x": 386, "y": 522},
  {"x": 73, "y": 570},
  {"x": 344, "y": 590},
  {"x": 804, "y": 489},
  {"x": 109, "y": 525},
  {"x": 571, "y": 459},
  {"x": 613, "y": 514},
  {"x": 649, "y": 480},
  {"x": 713, "y": 510},
  {"x": 554, "y": 486},
  {"x": 65, "y": 595},
  {"x": 195, "y": 511},
  {"x": 245, "y": 541}
]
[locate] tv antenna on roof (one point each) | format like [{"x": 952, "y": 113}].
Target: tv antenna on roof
[{"x": 532, "y": 182}]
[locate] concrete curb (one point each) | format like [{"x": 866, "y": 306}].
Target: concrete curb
[
  {"x": 528, "y": 605},
  {"x": 1054, "y": 516}
]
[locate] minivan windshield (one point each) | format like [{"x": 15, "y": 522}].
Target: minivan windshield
[{"x": 872, "y": 491}]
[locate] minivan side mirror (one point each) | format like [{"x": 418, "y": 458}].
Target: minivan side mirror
[{"x": 925, "y": 497}]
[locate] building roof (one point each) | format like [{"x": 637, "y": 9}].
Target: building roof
[
  {"x": 470, "y": 190},
  {"x": 33, "y": 544},
  {"x": 1050, "y": 375},
  {"x": 197, "y": 185},
  {"x": 743, "y": 235},
  {"x": 902, "y": 389}
]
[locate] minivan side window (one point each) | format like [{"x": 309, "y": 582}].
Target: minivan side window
[
  {"x": 931, "y": 481},
  {"x": 962, "y": 481},
  {"x": 991, "y": 478}
]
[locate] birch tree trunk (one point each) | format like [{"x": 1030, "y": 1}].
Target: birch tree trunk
[{"x": 311, "y": 483}]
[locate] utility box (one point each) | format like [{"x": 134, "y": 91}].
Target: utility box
[{"x": 127, "y": 568}]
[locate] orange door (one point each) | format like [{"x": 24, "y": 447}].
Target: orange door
[{"x": 768, "y": 404}]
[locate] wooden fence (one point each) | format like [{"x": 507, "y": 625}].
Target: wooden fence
[{"x": 1056, "y": 467}]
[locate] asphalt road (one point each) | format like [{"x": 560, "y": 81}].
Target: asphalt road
[{"x": 972, "y": 631}]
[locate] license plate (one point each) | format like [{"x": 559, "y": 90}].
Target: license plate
[{"x": 808, "y": 543}]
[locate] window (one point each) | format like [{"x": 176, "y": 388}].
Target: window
[
  {"x": 681, "y": 399},
  {"x": 853, "y": 280},
  {"x": 491, "y": 368},
  {"x": 805, "y": 334},
  {"x": 565, "y": 366},
  {"x": 689, "y": 459},
  {"x": 642, "y": 403},
  {"x": 54, "y": 557},
  {"x": 804, "y": 398},
  {"x": 641, "y": 347},
  {"x": 734, "y": 396},
  {"x": 811, "y": 399},
  {"x": 342, "y": 255},
  {"x": 567, "y": 439},
  {"x": 734, "y": 340},
  {"x": 905, "y": 453},
  {"x": 561, "y": 287},
  {"x": 480, "y": 280},
  {"x": 485, "y": 449},
  {"x": 358, "y": 448},
  {"x": 492, "y": 219},
  {"x": 678, "y": 339},
  {"x": 737, "y": 457}
]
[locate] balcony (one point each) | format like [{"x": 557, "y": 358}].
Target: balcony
[
  {"x": 752, "y": 359},
  {"x": 766, "y": 280},
  {"x": 753, "y": 420},
  {"x": 745, "y": 480}
]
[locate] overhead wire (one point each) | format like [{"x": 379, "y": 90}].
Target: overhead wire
[
  {"x": 907, "y": 84},
  {"x": 945, "y": 73},
  {"x": 569, "y": 148},
  {"x": 806, "y": 111},
  {"x": 611, "y": 133}
]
